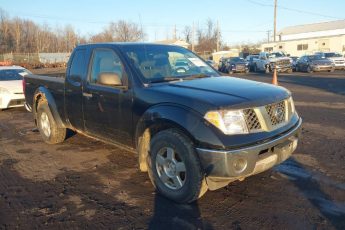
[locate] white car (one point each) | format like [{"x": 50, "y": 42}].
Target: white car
[{"x": 11, "y": 86}]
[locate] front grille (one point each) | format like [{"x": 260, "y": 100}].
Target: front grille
[
  {"x": 283, "y": 62},
  {"x": 240, "y": 67},
  {"x": 276, "y": 113},
  {"x": 251, "y": 119}
]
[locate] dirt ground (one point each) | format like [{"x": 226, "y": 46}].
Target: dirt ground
[{"x": 86, "y": 184}]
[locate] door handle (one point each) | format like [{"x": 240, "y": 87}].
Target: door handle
[{"x": 87, "y": 95}]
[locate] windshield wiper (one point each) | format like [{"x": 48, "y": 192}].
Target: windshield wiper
[
  {"x": 191, "y": 77},
  {"x": 165, "y": 79}
]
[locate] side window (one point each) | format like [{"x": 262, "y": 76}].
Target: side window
[
  {"x": 78, "y": 67},
  {"x": 105, "y": 61}
]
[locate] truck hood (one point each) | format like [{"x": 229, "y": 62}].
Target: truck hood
[{"x": 221, "y": 93}]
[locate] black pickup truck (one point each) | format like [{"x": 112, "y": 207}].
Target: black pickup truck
[{"x": 193, "y": 130}]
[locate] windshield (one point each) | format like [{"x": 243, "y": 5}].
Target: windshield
[
  {"x": 237, "y": 59},
  {"x": 161, "y": 62},
  {"x": 327, "y": 55},
  {"x": 13, "y": 74},
  {"x": 275, "y": 55},
  {"x": 316, "y": 57}
]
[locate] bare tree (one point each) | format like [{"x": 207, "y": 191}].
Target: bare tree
[
  {"x": 123, "y": 31},
  {"x": 187, "y": 33}
]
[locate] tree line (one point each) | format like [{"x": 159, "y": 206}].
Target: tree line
[{"x": 19, "y": 35}]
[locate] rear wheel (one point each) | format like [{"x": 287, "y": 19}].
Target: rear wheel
[
  {"x": 174, "y": 167},
  {"x": 47, "y": 126}
]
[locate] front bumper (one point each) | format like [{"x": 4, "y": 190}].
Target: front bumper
[
  {"x": 339, "y": 65},
  {"x": 240, "y": 163},
  {"x": 11, "y": 100},
  {"x": 323, "y": 68}
]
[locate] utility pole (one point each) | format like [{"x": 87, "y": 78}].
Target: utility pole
[
  {"x": 275, "y": 21},
  {"x": 175, "y": 32},
  {"x": 217, "y": 35},
  {"x": 193, "y": 38},
  {"x": 268, "y": 35}
]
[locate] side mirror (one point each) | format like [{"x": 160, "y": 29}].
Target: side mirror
[{"x": 110, "y": 79}]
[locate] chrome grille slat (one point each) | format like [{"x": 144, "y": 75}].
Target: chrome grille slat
[
  {"x": 272, "y": 109},
  {"x": 251, "y": 119}
]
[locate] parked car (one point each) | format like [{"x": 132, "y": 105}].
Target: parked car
[
  {"x": 311, "y": 63},
  {"x": 191, "y": 131},
  {"x": 11, "y": 88},
  {"x": 268, "y": 61},
  {"x": 337, "y": 58},
  {"x": 181, "y": 65},
  {"x": 236, "y": 65},
  {"x": 251, "y": 61}
]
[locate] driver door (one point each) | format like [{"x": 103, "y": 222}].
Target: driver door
[{"x": 107, "y": 109}]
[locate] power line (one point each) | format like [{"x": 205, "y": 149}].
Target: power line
[{"x": 292, "y": 9}]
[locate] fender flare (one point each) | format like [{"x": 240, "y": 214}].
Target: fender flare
[
  {"x": 43, "y": 93},
  {"x": 165, "y": 116}
]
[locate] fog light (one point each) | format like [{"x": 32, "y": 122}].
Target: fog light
[{"x": 240, "y": 165}]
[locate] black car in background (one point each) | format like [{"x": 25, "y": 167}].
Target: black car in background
[
  {"x": 314, "y": 63},
  {"x": 236, "y": 65}
]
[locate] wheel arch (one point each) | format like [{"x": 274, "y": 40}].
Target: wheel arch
[
  {"x": 187, "y": 121},
  {"x": 43, "y": 93}
]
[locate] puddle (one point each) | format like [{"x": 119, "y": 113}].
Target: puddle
[
  {"x": 294, "y": 171},
  {"x": 309, "y": 183}
]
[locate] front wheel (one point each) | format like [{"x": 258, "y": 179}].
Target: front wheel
[
  {"x": 309, "y": 70},
  {"x": 174, "y": 167},
  {"x": 267, "y": 69},
  {"x": 49, "y": 130}
]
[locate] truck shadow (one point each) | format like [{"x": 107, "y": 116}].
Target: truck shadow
[
  {"x": 170, "y": 215},
  {"x": 309, "y": 185}
]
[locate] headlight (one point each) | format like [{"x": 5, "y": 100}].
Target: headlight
[
  {"x": 4, "y": 91},
  {"x": 228, "y": 121},
  {"x": 292, "y": 104}
]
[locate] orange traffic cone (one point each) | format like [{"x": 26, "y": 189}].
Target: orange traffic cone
[{"x": 275, "y": 77}]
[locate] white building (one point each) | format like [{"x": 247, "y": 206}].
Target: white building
[{"x": 310, "y": 38}]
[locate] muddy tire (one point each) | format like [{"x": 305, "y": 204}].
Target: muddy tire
[
  {"x": 174, "y": 167},
  {"x": 47, "y": 126}
]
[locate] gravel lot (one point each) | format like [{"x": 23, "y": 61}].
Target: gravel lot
[{"x": 83, "y": 183}]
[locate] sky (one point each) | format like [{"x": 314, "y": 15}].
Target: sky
[{"x": 241, "y": 21}]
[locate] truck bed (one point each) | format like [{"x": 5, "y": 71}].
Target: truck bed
[{"x": 53, "y": 85}]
